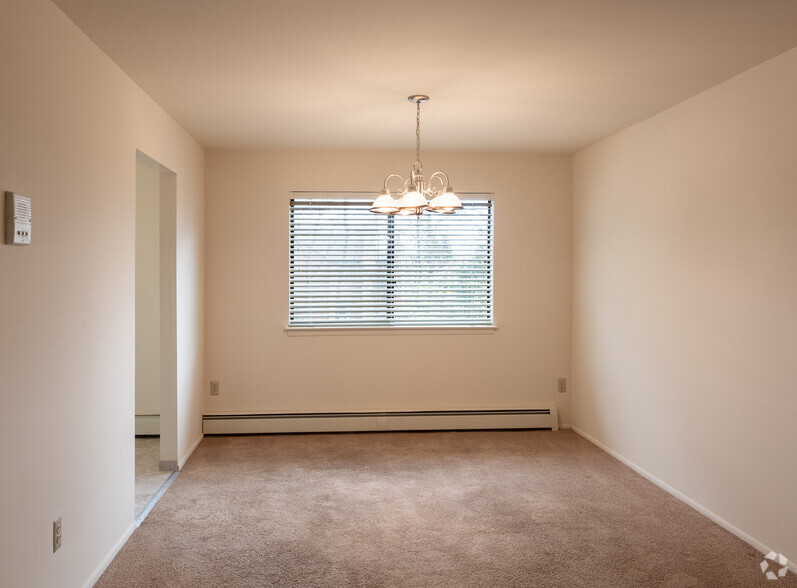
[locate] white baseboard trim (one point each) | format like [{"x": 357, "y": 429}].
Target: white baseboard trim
[
  {"x": 111, "y": 554},
  {"x": 683, "y": 498},
  {"x": 190, "y": 452},
  {"x": 126, "y": 535},
  {"x": 148, "y": 424}
]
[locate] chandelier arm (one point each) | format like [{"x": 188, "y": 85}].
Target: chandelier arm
[
  {"x": 438, "y": 175},
  {"x": 384, "y": 184}
]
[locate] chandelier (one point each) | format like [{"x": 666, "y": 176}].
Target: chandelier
[{"x": 415, "y": 196}]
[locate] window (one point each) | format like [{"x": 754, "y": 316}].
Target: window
[{"x": 350, "y": 267}]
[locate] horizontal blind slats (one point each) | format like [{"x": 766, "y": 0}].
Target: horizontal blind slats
[{"x": 349, "y": 267}]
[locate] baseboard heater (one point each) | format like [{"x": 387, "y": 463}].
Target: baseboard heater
[
  {"x": 421, "y": 420},
  {"x": 148, "y": 424}
]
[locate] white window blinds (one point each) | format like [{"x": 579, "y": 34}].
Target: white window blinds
[{"x": 350, "y": 267}]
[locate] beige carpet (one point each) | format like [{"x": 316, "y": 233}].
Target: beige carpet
[{"x": 491, "y": 508}]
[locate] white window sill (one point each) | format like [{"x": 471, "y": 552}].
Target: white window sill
[{"x": 383, "y": 330}]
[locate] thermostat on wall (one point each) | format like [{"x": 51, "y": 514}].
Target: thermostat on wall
[{"x": 18, "y": 219}]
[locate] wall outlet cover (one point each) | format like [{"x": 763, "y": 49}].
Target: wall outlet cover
[{"x": 58, "y": 538}]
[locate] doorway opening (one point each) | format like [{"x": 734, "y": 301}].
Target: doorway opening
[{"x": 156, "y": 332}]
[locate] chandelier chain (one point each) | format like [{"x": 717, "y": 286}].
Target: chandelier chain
[{"x": 418, "y": 132}]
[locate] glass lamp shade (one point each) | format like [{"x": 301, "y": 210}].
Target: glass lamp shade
[
  {"x": 413, "y": 201},
  {"x": 445, "y": 203},
  {"x": 384, "y": 203}
]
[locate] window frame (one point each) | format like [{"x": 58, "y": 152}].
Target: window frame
[{"x": 482, "y": 200}]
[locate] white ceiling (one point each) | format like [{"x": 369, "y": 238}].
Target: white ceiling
[{"x": 536, "y": 75}]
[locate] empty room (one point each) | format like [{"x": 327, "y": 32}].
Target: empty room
[{"x": 307, "y": 293}]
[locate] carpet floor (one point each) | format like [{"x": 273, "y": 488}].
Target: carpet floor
[{"x": 479, "y": 508}]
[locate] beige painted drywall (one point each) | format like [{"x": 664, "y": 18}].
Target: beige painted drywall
[
  {"x": 71, "y": 123},
  {"x": 685, "y": 299},
  {"x": 262, "y": 368},
  {"x": 148, "y": 349}
]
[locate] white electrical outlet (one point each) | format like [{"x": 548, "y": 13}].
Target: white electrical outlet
[
  {"x": 214, "y": 387},
  {"x": 562, "y": 385},
  {"x": 57, "y": 536}
]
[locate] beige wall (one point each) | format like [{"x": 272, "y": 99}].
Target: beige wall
[
  {"x": 261, "y": 368},
  {"x": 71, "y": 123},
  {"x": 148, "y": 333},
  {"x": 685, "y": 299}
]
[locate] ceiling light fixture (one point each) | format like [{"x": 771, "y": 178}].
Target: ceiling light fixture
[{"x": 415, "y": 196}]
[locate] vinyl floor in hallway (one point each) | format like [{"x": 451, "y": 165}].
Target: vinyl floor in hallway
[{"x": 149, "y": 479}]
